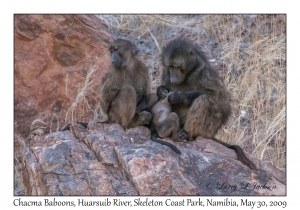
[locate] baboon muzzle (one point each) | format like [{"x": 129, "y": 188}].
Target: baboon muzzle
[{"x": 175, "y": 78}]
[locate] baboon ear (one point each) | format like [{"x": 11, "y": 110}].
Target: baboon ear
[
  {"x": 135, "y": 50},
  {"x": 192, "y": 52}
]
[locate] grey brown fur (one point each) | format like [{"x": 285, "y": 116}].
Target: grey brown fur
[
  {"x": 196, "y": 93},
  {"x": 127, "y": 76},
  {"x": 165, "y": 121}
]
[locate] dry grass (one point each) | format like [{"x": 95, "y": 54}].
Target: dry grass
[
  {"x": 250, "y": 56},
  {"x": 82, "y": 109},
  {"x": 256, "y": 60},
  {"x": 19, "y": 144}
]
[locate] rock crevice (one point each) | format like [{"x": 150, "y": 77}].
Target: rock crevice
[{"x": 104, "y": 159}]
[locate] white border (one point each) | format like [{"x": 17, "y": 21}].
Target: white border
[{"x": 8, "y": 8}]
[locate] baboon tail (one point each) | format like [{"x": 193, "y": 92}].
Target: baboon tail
[
  {"x": 242, "y": 157},
  {"x": 240, "y": 153},
  {"x": 154, "y": 138}
]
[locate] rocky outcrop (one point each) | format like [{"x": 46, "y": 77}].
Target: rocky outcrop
[
  {"x": 53, "y": 54},
  {"x": 104, "y": 159}
]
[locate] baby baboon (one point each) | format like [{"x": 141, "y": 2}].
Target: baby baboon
[
  {"x": 195, "y": 93},
  {"x": 166, "y": 123},
  {"x": 127, "y": 76}
]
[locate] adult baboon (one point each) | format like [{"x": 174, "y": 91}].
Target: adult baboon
[
  {"x": 195, "y": 93},
  {"x": 127, "y": 76}
]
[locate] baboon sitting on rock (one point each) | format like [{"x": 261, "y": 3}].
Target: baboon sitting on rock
[
  {"x": 195, "y": 93},
  {"x": 123, "y": 87},
  {"x": 127, "y": 76}
]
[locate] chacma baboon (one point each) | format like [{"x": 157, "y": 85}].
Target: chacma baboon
[
  {"x": 164, "y": 122},
  {"x": 127, "y": 76},
  {"x": 195, "y": 93}
]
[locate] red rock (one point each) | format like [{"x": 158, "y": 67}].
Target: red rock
[
  {"x": 103, "y": 160},
  {"x": 52, "y": 56}
]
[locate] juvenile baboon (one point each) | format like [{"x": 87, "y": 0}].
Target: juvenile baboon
[
  {"x": 127, "y": 76},
  {"x": 195, "y": 93}
]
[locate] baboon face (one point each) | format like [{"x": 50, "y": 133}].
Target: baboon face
[
  {"x": 179, "y": 59},
  {"x": 121, "y": 51},
  {"x": 179, "y": 66}
]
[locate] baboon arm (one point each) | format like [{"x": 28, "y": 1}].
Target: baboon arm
[
  {"x": 185, "y": 98},
  {"x": 106, "y": 97},
  {"x": 152, "y": 99},
  {"x": 162, "y": 92},
  {"x": 145, "y": 101},
  {"x": 109, "y": 95}
]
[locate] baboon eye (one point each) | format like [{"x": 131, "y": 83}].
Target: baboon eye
[
  {"x": 181, "y": 70},
  {"x": 116, "y": 48}
]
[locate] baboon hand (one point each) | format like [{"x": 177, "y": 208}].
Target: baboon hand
[
  {"x": 144, "y": 117},
  {"x": 103, "y": 118},
  {"x": 175, "y": 98},
  {"x": 183, "y": 135},
  {"x": 162, "y": 92}
]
